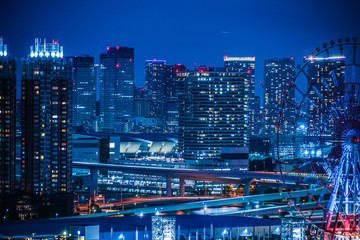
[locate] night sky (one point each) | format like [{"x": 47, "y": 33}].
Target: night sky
[{"x": 187, "y": 32}]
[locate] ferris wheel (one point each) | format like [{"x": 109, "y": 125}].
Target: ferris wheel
[{"x": 320, "y": 123}]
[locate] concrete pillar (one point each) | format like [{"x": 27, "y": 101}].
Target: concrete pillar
[
  {"x": 247, "y": 187},
  {"x": 182, "y": 187},
  {"x": 263, "y": 233},
  {"x": 93, "y": 182},
  {"x": 168, "y": 186}
]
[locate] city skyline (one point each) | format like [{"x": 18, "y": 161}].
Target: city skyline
[
  {"x": 264, "y": 30},
  {"x": 138, "y": 112}
]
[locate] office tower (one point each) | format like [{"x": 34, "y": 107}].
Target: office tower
[
  {"x": 171, "y": 97},
  {"x": 7, "y": 121},
  {"x": 116, "y": 87},
  {"x": 154, "y": 85},
  {"x": 278, "y": 74},
  {"x": 213, "y": 118},
  {"x": 171, "y": 87},
  {"x": 326, "y": 74},
  {"x": 46, "y": 105},
  {"x": 84, "y": 92}
]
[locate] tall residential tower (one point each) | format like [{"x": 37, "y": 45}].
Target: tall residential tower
[
  {"x": 213, "y": 131},
  {"x": 278, "y": 74},
  {"x": 7, "y": 121},
  {"x": 245, "y": 65},
  {"x": 46, "y": 121}
]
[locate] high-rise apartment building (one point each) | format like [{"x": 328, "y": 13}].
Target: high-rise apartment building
[
  {"x": 326, "y": 74},
  {"x": 245, "y": 65},
  {"x": 46, "y": 127},
  {"x": 278, "y": 74},
  {"x": 213, "y": 123},
  {"x": 7, "y": 121},
  {"x": 116, "y": 87},
  {"x": 84, "y": 92},
  {"x": 154, "y": 85}
]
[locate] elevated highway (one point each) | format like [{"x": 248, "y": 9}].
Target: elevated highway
[
  {"x": 208, "y": 204},
  {"x": 230, "y": 177}
]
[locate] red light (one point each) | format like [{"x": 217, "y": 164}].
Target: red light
[
  {"x": 74, "y": 69},
  {"x": 225, "y": 57},
  {"x": 117, "y": 65},
  {"x": 130, "y": 59},
  {"x": 117, "y": 84},
  {"x": 179, "y": 64},
  {"x": 117, "y": 48},
  {"x": 108, "y": 48},
  {"x": 55, "y": 42},
  {"x": 201, "y": 70},
  {"x": 73, "y": 83},
  {"x": 248, "y": 71},
  {"x": 176, "y": 70}
]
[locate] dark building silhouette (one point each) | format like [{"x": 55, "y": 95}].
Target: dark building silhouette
[
  {"x": 46, "y": 133},
  {"x": 7, "y": 120}
]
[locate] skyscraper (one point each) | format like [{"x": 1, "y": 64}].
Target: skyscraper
[
  {"x": 278, "y": 74},
  {"x": 154, "y": 85},
  {"x": 116, "y": 87},
  {"x": 7, "y": 120},
  {"x": 171, "y": 96},
  {"x": 171, "y": 83},
  {"x": 46, "y": 127},
  {"x": 326, "y": 74},
  {"x": 84, "y": 92},
  {"x": 213, "y": 118},
  {"x": 245, "y": 65}
]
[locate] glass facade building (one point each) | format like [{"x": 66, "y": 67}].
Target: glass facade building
[
  {"x": 84, "y": 92},
  {"x": 116, "y": 87},
  {"x": 154, "y": 85}
]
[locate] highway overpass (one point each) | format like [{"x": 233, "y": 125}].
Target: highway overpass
[{"x": 230, "y": 177}]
